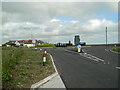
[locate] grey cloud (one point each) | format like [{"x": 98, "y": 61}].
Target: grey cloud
[
  {"x": 40, "y": 12},
  {"x": 16, "y": 15}
]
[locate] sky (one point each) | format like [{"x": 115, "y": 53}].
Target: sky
[{"x": 55, "y": 22}]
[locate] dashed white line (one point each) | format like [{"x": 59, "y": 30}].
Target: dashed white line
[
  {"x": 92, "y": 57},
  {"x": 117, "y": 67},
  {"x": 104, "y": 63},
  {"x": 88, "y": 56},
  {"x": 106, "y": 50}
]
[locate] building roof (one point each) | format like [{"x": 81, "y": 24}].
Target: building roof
[
  {"x": 39, "y": 41},
  {"x": 27, "y": 42},
  {"x": 24, "y": 41}
]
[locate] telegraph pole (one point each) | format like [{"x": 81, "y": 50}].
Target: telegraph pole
[
  {"x": 106, "y": 35},
  {"x": 31, "y": 36}
]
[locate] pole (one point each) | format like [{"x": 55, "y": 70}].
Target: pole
[
  {"x": 31, "y": 36},
  {"x": 106, "y": 35},
  {"x": 44, "y": 59},
  {"x": 45, "y": 51}
]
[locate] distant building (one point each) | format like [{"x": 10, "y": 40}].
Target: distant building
[
  {"x": 82, "y": 43},
  {"x": 25, "y": 43},
  {"x": 76, "y": 40},
  {"x": 28, "y": 44},
  {"x": 61, "y": 45},
  {"x": 69, "y": 44},
  {"x": 39, "y": 42},
  {"x": 17, "y": 43},
  {"x": 10, "y": 43}
]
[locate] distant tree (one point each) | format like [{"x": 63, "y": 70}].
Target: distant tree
[
  {"x": 3, "y": 44},
  {"x": 12, "y": 44}
]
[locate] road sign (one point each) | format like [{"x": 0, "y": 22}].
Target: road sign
[
  {"x": 79, "y": 46},
  {"x": 60, "y": 44}
]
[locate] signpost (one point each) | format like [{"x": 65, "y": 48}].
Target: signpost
[
  {"x": 79, "y": 48},
  {"x": 44, "y": 58}
]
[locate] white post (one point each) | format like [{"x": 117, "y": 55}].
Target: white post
[
  {"x": 44, "y": 59},
  {"x": 45, "y": 51}
]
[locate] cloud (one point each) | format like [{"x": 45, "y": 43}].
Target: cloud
[
  {"x": 41, "y": 12},
  {"x": 90, "y": 29},
  {"x": 58, "y": 21},
  {"x": 98, "y": 25},
  {"x": 74, "y": 21},
  {"x": 54, "y": 20},
  {"x": 61, "y": 1}
]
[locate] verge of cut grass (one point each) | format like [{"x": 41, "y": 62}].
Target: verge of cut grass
[
  {"x": 29, "y": 70},
  {"x": 0, "y": 67},
  {"x": 116, "y": 50}
]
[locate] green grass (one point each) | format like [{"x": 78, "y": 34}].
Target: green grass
[
  {"x": 46, "y": 45},
  {"x": 10, "y": 58},
  {"x": 28, "y": 70},
  {"x": 0, "y": 67},
  {"x": 116, "y": 50}
]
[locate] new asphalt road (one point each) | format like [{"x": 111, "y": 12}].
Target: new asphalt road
[{"x": 97, "y": 67}]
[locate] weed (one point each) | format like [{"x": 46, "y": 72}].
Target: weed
[
  {"x": 23, "y": 67},
  {"x": 11, "y": 57}
]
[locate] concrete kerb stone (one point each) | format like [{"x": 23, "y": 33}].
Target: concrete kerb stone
[
  {"x": 53, "y": 64},
  {"x": 111, "y": 51},
  {"x": 40, "y": 83}
]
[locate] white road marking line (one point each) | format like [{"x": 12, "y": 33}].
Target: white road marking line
[
  {"x": 91, "y": 57},
  {"x": 106, "y": 50},
  {"x": 112, "y": 51},
  {"x": 86, "y": 46},
  {"x": 71, "y": 51},
  {"x": 88, "y": 56},
  {"x": 117, "y": 67}
]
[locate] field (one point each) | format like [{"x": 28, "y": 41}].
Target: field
[{"x": 23, "y": 67}]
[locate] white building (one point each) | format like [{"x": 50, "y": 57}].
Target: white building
[
  {"x": 17, "y": 43},
  {"x": 8, "y": 45},
  {"x": 28, "y": 44}
]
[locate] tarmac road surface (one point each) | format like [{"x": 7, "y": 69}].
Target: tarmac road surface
[{"x": 96, "y": 68}]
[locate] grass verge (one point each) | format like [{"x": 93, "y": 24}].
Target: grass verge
[
  {"x": 46, "y": 45},
  {"x": 0, "y": 67},
  {"x": 29, "y": 69},
  {"x": 116, "y": 50},
  {"x": 10, "y": 58}
]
